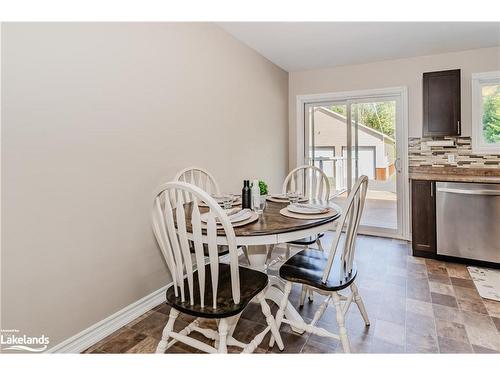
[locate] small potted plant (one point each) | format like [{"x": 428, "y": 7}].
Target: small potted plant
[{"x": 263, "y": 188}]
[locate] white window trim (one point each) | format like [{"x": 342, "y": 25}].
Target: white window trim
[{"x": 478, "y": 80}]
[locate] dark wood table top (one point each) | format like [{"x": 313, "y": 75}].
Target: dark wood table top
[{"x": 271, "y": 221}]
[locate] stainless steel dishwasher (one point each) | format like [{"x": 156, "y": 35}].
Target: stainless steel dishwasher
[{"x": 468, "y": 220}]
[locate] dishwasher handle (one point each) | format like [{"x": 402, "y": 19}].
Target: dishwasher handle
[{"x": 469, "y": 192}]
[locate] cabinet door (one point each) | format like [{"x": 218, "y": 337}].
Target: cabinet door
[
  {"x": 441, "y": 105},
  {"x": 423, "y": 206}
]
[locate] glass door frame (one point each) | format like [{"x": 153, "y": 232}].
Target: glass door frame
[
  {"x": 399, "y": 95},
  {"x": 307, "y": 157}
]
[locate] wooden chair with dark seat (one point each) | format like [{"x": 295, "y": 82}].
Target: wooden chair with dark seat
[
  {"x": 312, "y": 183},
  {"x": 329, "y": 273},
  {"x": 206, "y": 291}
]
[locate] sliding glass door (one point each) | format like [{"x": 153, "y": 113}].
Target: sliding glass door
[
  {"x": 326, "y": 142},
  {"x": 353, "y": 137}
]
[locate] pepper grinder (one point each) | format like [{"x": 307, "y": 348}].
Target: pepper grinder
[{"x": 246, "y": 195}]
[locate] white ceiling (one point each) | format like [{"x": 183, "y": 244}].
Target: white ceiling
[{"x": 296, "y": 46}]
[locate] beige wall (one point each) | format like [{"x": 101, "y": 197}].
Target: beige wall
[
  {"x": 392, "y": 73},
  {"x": 94, "y": 117}
]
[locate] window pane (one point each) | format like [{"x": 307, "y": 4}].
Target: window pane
[{"x": 491, "y": 113}]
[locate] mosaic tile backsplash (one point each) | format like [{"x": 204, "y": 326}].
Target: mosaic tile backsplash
[{"x": 420, "y": 154}]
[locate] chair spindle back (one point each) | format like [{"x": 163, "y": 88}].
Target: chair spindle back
[
  {"x": 311, "y": 181},
  {"x": 198, "y": 177},
  {"x": 352, "y": 215},
  {"x": 171, "y": 216}
]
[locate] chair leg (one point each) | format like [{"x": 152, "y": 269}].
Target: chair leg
[
  {"x": 223, "y": 330},
  {"x": 162, "y": 345},
  {"x": 287, "y": 251},
  {"x": 245, "y": 253},
  {"x": 360, "y": 304},
  {"x": 233, "y": 322},
  {"x": 310, "y": 295},
  {"x": 217, "y": 338},
  {"x": 270, "y": 320},
  {"x": 320, "y": 246},
  {"x": 302, "y": 295},
  {"x": 281, "y": 310},
  {"x": 341, "y": 322},
  {"x": 308, "y": 292},
  {"x": 269, "y": 251}
]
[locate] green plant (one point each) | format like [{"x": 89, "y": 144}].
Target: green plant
[{"x": 263, "y": 188}]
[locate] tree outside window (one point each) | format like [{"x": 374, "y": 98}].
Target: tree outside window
[
  {"x": 491, "y": 113},
  {"x": 486, "y": 113}
]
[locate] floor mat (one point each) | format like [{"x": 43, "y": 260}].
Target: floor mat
[{"x": 487, "y": 282}]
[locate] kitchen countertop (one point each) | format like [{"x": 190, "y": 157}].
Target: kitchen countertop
[{"x": 491, "y": 175}]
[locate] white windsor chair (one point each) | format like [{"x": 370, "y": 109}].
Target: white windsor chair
[{"x": 215, "y": 290}]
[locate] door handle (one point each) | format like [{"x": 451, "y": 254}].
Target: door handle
[
  {"x": 469, "y": 192},
  {"x": 397, "y": 164}
]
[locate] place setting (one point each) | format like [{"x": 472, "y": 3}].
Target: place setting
[
  {"x": 309, "y": 210},
  {"x": 225, "y": 200},
  {"x": 287, "y": 197},
  {"x": 237, "y": 216},
  {"x": 237, "y": 207}
]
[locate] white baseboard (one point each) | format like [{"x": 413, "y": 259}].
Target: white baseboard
[{"x": 90, "y": 336}]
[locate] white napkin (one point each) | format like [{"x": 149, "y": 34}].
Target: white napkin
[
  {"x": 239, "y": 214},
  {"x": 233, "y": 211},
  {"x": 234, "y": 214},
  {"x": 284, "y": 196},
  {"x": 310, "y": 207}
]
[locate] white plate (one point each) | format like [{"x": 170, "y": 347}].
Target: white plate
[
  {"x": 282, "y": 198},
  {"x": 241, "y": 215},
  {"x": 307, "y": 209},
  {"x": 236, "y": 202},
  {"x": 331, "y": 212},
  {"x": 218, "y": 198},
  {"x": 253, "y": 218},
  {"x": 279, "y": 196}
]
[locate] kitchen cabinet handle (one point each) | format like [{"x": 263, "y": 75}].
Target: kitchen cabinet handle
[
  {"x": 432, "y": 189},
  {"x": 470, "y": 192},
  {"x": 458, "y": 127}
]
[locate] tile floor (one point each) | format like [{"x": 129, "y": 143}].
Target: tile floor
[{"x": 415, "y": 305}]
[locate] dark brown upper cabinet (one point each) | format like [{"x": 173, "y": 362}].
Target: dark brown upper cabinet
[{"x": 441, "y": 103}]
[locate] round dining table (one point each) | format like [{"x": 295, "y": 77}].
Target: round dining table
[{"x": 273, "y": 228}]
